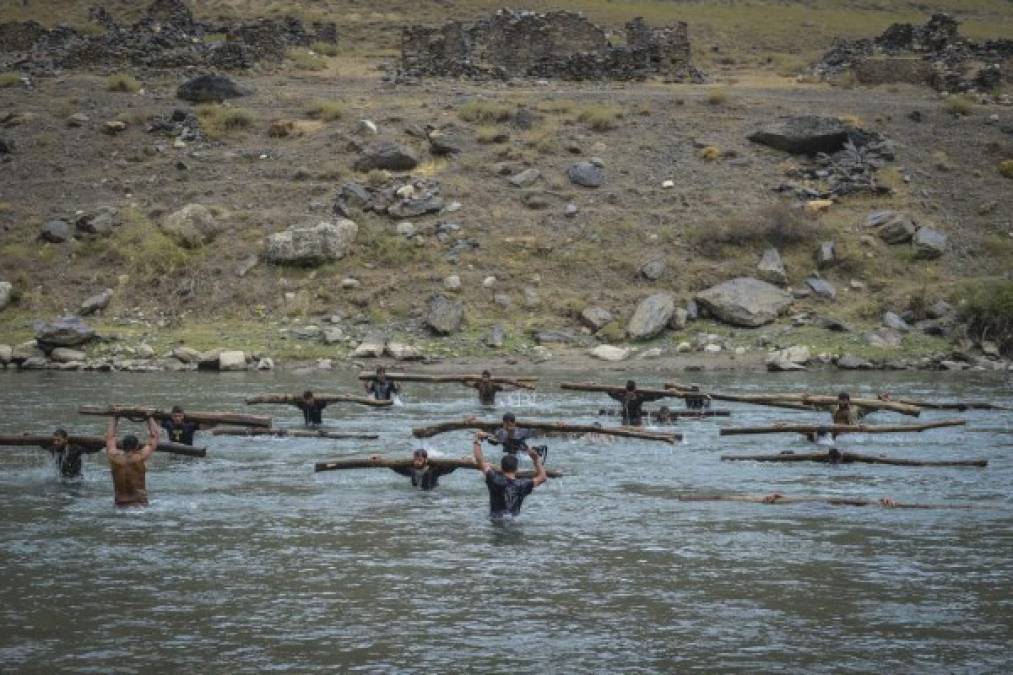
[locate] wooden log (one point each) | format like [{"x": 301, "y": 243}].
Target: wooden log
[
  {"x": 518, "y": 381},
  {"x": 784, "y": 428},
  {"x": 951, "y": 405},
  {"x": 655, "y": 417},
  {"x": 777, "y": 498},
  {"x": 843, "y": 457},
  {"x": 202, "y": 418},
  {"x": 328, "y": 398},
  {"x": 291, "y": 433},
  {"x": 591, "y": 386},
  {"x": 96, "y": 442},
  {"x": 804, "y": 401},
  {"x": 695, "y": 393},
  {"x": 386, "y": 463},
  {"x": 555, "y": 427}
]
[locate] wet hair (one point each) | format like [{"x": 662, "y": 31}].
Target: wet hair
[
  {"x": 509, "y": 417},
  {"x": 508, "y": 463},
  {"x": 835, "y": 455},
  {"x": 380, "y": 370},
  {"x": 844, "y": 396},
  {"x": 307, "y": 394},
  {"x": 176, "y": 409},
  {"x": 630, "y": 385},
  {"x": 61, "y": 433},
  {"x": 486, "y": 373},
  {"x": 420, "y": 452},
  {"x": 129, "y": 443}
]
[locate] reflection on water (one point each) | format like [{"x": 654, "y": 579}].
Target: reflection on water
[{"x": 247, "y": 560}]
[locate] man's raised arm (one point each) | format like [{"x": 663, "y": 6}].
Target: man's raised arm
[
  {"x": 540, "y": 475},
  {"x": 111, "y": 429},
  {"x": 149, "y": 447},
  {"x": 476, "y": 449}
]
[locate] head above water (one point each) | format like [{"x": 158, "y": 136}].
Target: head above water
[
  {"x": 509, "y": 420},
  {"x": 508, "y": 464},
  {"x": 419, "y": 458},
  {"x": 177, "y": 414},
  {"x": 381, "y": 372},
  {"x": 60, "y": 438},
  {"x": 630, "y": 385},
  {"x": 129, "y": 443},
  {"x": 486, "y": 375},
  {"x": 307, "y": 395},
  {"x": 844, "y": 398}
]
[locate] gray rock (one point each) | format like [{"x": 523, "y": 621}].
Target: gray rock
[
  {"x": 186, "y": 355},
  {"x": 935, "y": 327},
  {"x": 679, "y": 319},
  {"x": 231, "y": 360},
  {"x": 97, "y": 224},
  {"x": 386, "y": 156},
  {"x": 692, "y": 310},
  {"x": 405, "y": 229},
  {"x": 444, "y": 315},
  {"x": 6, "y": 293},
  {"x": 821, "y": 287},
  {"x": 312, "y": 245},
  {"x": 66, "y": 355},
  {"x": 595, "y": 317},
  {"x": 372, "y": 346},
  {"x": 55, "y": 232},
  {"x": 941, "y": 309},
  {"x": 404, "y": 352},
  {"x": 771, "y": 268},
  {"x": 826, "y": 255},
  {"x": 898, "y": 228},
  {"x": 503, "y": 300},
  {"x": 776, "y": 363},
  {"x": 832, "y": 324},
  {"x": 67, "y": 331},
  {"x": 525, "y": 178},
  {"x": 884, "y": 337},
  {"x": 535, "y": 200},
  {"x": 586, "y": 174},
  {"x": 27, "y": 350},
  {"x": 804, "y": 135},
  {"x": 571, "y": 210},
  {"x": 495, "y": 337},
  {"x": 953, "y": 365},
  {"x": 891, "y": 320},
  {"x": 745, "y": 302},
  {"x": 191, "y": 226},
  {"x": 653, "y": 270},
  {"x": 609, "y": 353},
  {"x": 6, "y": 354},
  {"x": 210, "y": 89},
  {"x": 266, "y": 363},
  {"x": 531, "y": 297},
  {"x": 96, "y": 302},
  {"x": 332, "y": 335},
  {"x": 929, "y": 243},
  {"x": 849, "y": 362},
  {"x": 443, "y": 142},
  {"x": 549, "y": 337},
  {"x": 34, "y": 363},
  {"x": 416, "y": 206},
  {"x": 246, "y": 264},
  {"x": 651, "y": 316},
  {"x": 880, "y": 218}
]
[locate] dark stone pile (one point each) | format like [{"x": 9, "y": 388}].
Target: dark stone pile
[
  {"x": 167, "y": 36},
  {"x": 401, "y": 198},
  {"x": 933, "y": 54}
]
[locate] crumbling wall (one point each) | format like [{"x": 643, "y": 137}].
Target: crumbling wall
[
  {"x": 552, "y": 45},
  {"x": 166, "y": 36}
]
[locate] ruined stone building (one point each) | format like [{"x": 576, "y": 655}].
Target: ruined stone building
[{"x": 551, "y": 45}]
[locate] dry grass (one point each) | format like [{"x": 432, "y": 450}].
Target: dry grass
[
  {"x": 777, "y": 225},
  {"x": 710, "y": 153},
  {"x": 123, "y": 83},
  {"x": 9, "y": 80},
  {"x": 717, "y": 97},
  {"x": 326, "y": 111},
  {"x": 485, "y": 112},
  {"x": 959, "y": 105},
  {"x": 600, "y": 117},
  {"x": 219, "y": 121},
  {"x": 1005, "y": 169},
  {"x": 306, "y": 60},
  {"x": 325, "y": 48}
]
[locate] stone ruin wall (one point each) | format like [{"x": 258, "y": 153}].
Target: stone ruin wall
[
  {"x": 166, "y": 36},
  {"x": 561, "y": 44}
]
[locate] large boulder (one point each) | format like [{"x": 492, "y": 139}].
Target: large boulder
[
  {"x": 67, "y": 331},
  {"x": 586, "y": 174},
  {"x": 771, "y": 268},
  {"x": 894, "y": 321},
  {"x": 6, "y": 293},
  {"x": 653, "y": 269},
  {"x": 595, "y": 317},
  {"x": 67, "y": 355},
  {"x": 55, "y": 232},
  {"x": 821, "y": 287},
  {"x": 311, "y": 245},
  {"x": 929, "y": 243},
  {"x": 191, "y": 226},
  {"x": 97, "y": 224},
  {"x": 231, "y": 360},
  {"x": 884, "y": 337},
  {"x": 386, "y": 156},
  {"x": 372, "y": 347},
  {"x": 651, "y": 316},
  {"x": 826, "y": 255},
  {"x": 6, "y": 354},
  {"x": 210, "y": 89},
  {"x": 444, "y": 316},
  {"x": 444, "y": 142},
  {"x": 892, "y": 227},
  {"x": 609, "y": 353},
  {"x": 745, "y": 302},
  {"x": 96, "y": 302},
  {"x": 804, "y": 135}
]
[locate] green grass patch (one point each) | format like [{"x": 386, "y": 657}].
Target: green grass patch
[
  {"x": 327, "y": 111},
  {"x": 600, "y": 117},
  {"x": 959, "y": 105},
  {"x": 485, "y": 112},
  {"x": 325, "y": 48},
  {"x": 1005, "y": 169},
  {"x": 8, "y": 80},
  {"x": 987, "y": 309},
  {"x": 305, "y": 60},
  {"x": 122, "y": 83},
  {"x": 218, "y": 120},
  {"x": 717, "y": 97}
]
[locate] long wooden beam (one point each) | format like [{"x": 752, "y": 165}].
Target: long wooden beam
[
  {"x": 839, "y": 428},
  {"x": 843, "y": 457},
  {"x": 386, "y": 463},
  {"x": 809, "y": 400},
  {"x": 521, "y": 382},
  {"x": 328, "y": 398},
  {"x": 556, "y": 427},
  {"x": 656, "y": 417},
  {"x": 952, "y": 405},
  {"x": 591, "y": 386},
  {"x": 292, "y": 433},
  {"x": 96, "y": 443},
  {"x": 777, "y": 498},
  {"x": 680, "y": 392},
  {"x": 203, "y": 418}
]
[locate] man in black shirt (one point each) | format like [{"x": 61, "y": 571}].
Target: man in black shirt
[
  {"x": 380, "y": 387},
  {"x": 514, "y": 439},
  {"x": 423, "y": 474},
  {"x": 506, "y": 490},
  {"x": 487, "y": 389},
  {"x": 632, "y": 403},
  {"x": 178, "y": 428},
  {"x": 67, "y": 456},
  {"x": 311, "y": 409}
]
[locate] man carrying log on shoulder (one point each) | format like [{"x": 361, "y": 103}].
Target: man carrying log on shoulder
[
  {"x": 506, "y": 490},
  {"x": 381, "y": 388},
  {"x": 127, "y": 463},
  {"x": 424, "y": 475},
  {"x": 632, "y": 403},
  {"x": 312, "y": 409},
  {"x": 487, "y": 389},
  {"x": 178, "y": 428},
  {"x": 513, "y": 439},
  {"x": 67, "y": 456}
]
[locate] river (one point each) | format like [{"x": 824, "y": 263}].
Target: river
[{"x": 248, "y": 561}]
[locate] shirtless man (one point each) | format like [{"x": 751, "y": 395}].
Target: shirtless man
[
  {"x": 506, "y": 490},
  {"x": 127, "y": 463}
]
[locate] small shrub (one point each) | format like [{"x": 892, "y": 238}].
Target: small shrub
[
  {"x": 9, "y": 80},
  {"x": 959, "y": 105},
  {"x": 326, "y": 111},
  {"x": 1006, "y": 169},
  {"x": 123, "y": 83},
  {"x": 612, "y": 332},
  {"x": 305, "y": 60},
  {"x": 485, "y": 112},
  {"x": 542, "y": 140},
  {"x": 717, "y": 97},
  {"x": 325, "y": 48},
  {"x": 777, "y": 225},
  {"x": 488, "y": 134},
  {"x": 851, "y": 121},
  {"x": 600, "y": 117},
  {"x": 710, "y": 153},
  {"x": 987, "y": 310},
  {"x": 218, "y": 120},
  {"x": 377, "y": 178}
]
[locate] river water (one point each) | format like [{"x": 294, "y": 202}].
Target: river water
[{"x": 248, "y": 561}]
